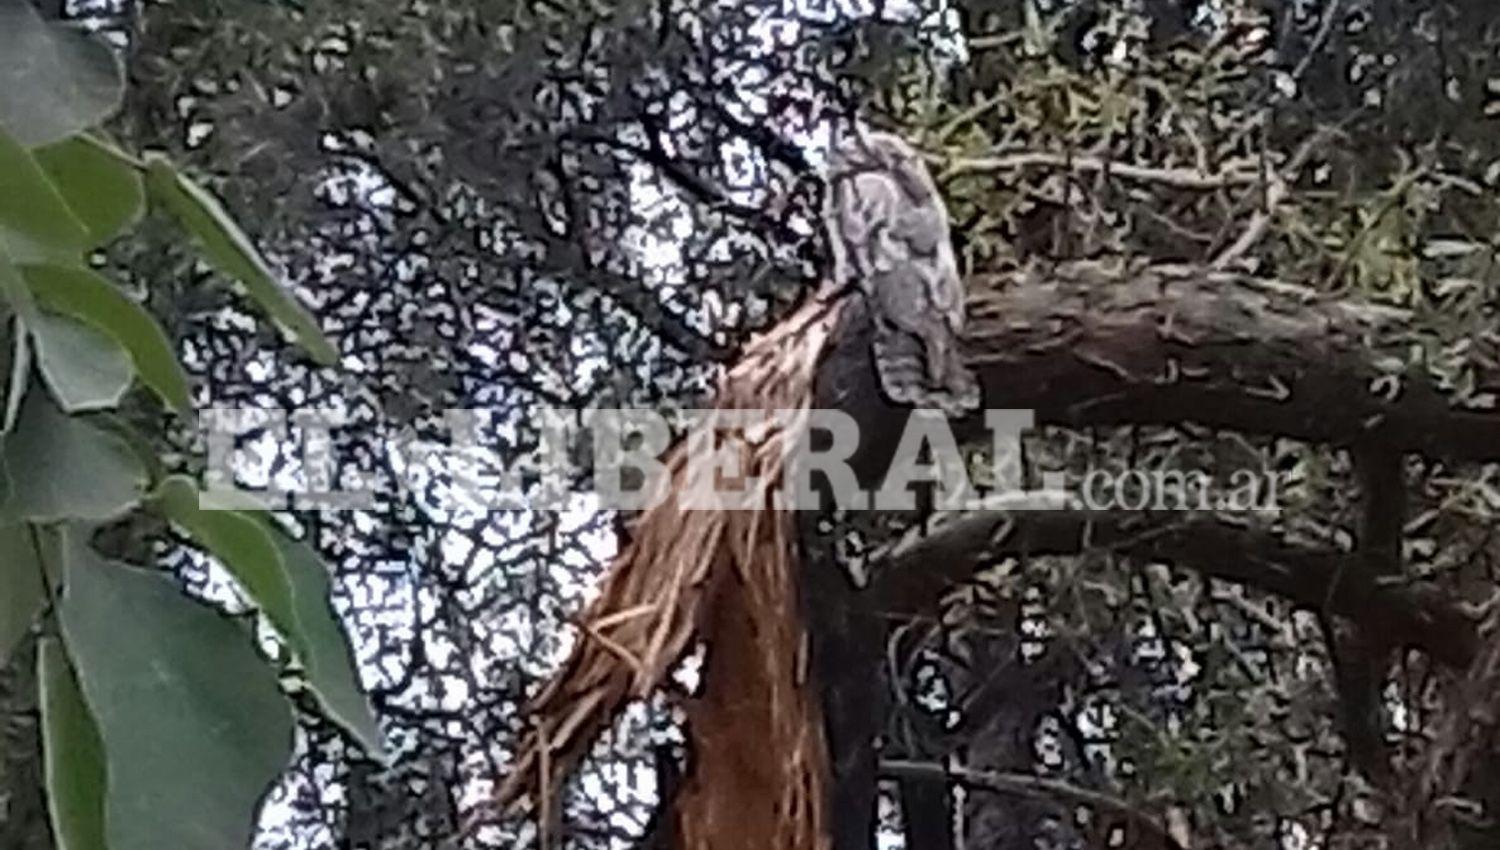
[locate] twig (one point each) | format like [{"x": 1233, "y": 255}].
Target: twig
[
  {"x": 1260, "y": 222},
  {"x": 967, "y": 116},
  {"x": 1276, "y": 192},
  {"x": 1324, "y": 30},
  {"x": 1395, "y": 196},
  {"x": 1034, "y": 787},
  {"x": 990, "y": 42},
  {"x": 1177, "y": 178}
]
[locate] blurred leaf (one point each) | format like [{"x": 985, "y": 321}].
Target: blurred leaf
[
  {"x": 74, "y": 756},
  {"x": 232, "y": 253},
  {"x": 20, "y": 373},
  {"x": 21, "y": 589},
  {"x": 194, "y": 726},
  {"x": 1435, "y": 249},
  {"x": 55, "y": 80},
  {"x": 35, "y": 222},
  {"x": 329, "y": 662},
  {"x": 84, "y": 367},
  {"x": 82, "y": 293},
  {"x": 17, "y": 296},
  {"x": 100, "y": 187},
  {"x": 62, "y": 467},
  {"x": 244, "y": 546}
]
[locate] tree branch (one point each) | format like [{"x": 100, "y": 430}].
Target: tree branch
[
  {"x": 1177, "y": 178},
  {"x": 913, "y": 571},
  {"x": 1037, "y": 787},
  {"x": 1092, "y": 344}
]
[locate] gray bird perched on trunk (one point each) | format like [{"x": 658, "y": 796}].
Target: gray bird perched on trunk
[{"x": 888, "y": 232}]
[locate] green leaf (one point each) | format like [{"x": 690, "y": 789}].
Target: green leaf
[
  {"x": 21, "y": 590},
  {"x": 55, "y": 80},
  {"x": 35, "y": 222},
  {"x": 329, "y": 662},
  {"x": 195, "y": 728},
  {"x": 104, "y": 191},
  {"x": 233, "y": 254},
  {"x": 75, "y": 770},
  {"x": 13, "y": 288},
  {"x": 62, "y": 467},
  {"x": 84, "y": 367},
  {"x": 17, "y": 295},
  {"x": 20, "y": 373},
  {"x": 82, "y": 293},
  {"x": 244, "y": 546}
]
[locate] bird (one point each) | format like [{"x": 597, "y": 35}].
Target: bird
[{"x": 889, "y": 237}]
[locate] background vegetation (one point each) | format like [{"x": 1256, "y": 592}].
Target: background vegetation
[{"x": 508, "y": 205}]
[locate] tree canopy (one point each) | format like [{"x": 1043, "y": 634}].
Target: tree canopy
[{"x": 1200, "y": 236}]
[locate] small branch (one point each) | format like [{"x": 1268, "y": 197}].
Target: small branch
[
  {"x": 1034, "y": 787},
  {"x": 1394, "y": 197},
  {"x": 1325, "y": 29},
  {"x": 994, "y": 40},
  {"x": 1260, "y": 223},
  {"x": 1276, "y": 191},
  {"x": 1177, "y": 178},
  {"x": 968, "y": 116}
]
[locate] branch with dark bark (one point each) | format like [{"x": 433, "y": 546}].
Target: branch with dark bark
[
  {"x": 1088, "y": 344},
  {"x": 1091, "y": 344},
  {"x": 915, "y": 570},
  {"x": 1100, "y": 344},
  {"x": 1095, "y": 344},
  {"x": 1038, "y": 787},
  {"x": 1361, "y": 653}
]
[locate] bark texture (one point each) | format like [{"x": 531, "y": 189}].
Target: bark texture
[{"x": 1108, "y": 344}]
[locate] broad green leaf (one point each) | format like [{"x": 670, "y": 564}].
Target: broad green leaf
[
  {"x": 75, "y": 771},
  {"x": 195, "y": 728},
  {"x": 83, "y": 366},
  {"x": 82, "y": 293},
  {"x": 244, "y": 546},
  {"x": 233, "y": 254},
  {"x": 103, "y": 190},
  {"x": 328, "y": 660},
  {"x": 55, "y": 80},
  {"x": 62, "y": 467},
  {"x": 21, "y": 588},
  {"x": 35, "y": 222}
]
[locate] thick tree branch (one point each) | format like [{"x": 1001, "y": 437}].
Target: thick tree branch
[
  {"x": 916, "y": 569},
  {"x": 1091, "y": 344},
  {"x": 1094, "y": 344}
]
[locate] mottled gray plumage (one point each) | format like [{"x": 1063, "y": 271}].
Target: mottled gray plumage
[{"x": 888, "y": 232}]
